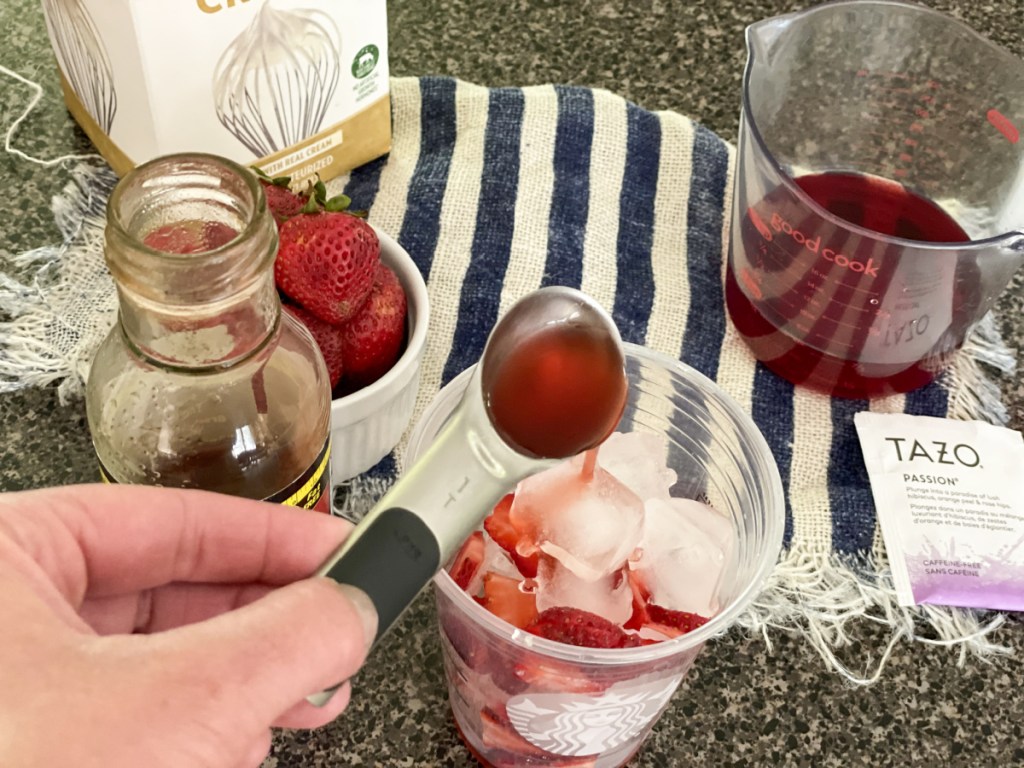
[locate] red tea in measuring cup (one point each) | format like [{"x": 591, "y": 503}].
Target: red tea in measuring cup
[
  {"x": 879, "y": 199},
  {"x": 857, "y": 328}
]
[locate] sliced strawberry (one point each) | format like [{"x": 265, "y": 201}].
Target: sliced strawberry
[
  {"x": 499, "y": 527},
  {"x": 467, "y": 648},
  {"x": 551, "y": 676},
  {"x": 497, "y": 733},
  {"x": 641, "y": 596},
  {"x": 573, "y": 626},
  {"x": 672, "y": 623},
  {"x": 506, "y": 675},
  {"x": 464, "y": 637},
  {"x": 508, "y": 757},
  {"x": 499, "y": 736},
  {"x": 505, "y": 599},
  {"x": 466, "y": 566}
]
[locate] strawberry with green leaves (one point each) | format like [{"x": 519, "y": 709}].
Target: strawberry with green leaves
[
  {"x": 282, "y": 202},
  {"x": 328, "y": 263}
]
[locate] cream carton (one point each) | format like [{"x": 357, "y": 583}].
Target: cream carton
[{"x": 295, "y": 86}]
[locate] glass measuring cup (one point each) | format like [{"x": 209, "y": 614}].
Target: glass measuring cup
[{"x": 878, "y": 209}]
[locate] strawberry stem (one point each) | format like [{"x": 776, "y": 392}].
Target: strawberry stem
[
  {"x": 338, "y": 203},
  {"x": 277, "y": 181},
  {"x": 311, "y": 206}
]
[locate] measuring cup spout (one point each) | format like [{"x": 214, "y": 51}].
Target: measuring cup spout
[
  {"x": 761, "y": 36},
  {"x": 1013, "y": 258}
]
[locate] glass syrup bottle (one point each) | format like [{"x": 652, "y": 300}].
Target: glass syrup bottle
[{"x": 204, "y": 382}]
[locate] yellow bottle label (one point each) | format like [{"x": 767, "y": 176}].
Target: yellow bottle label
[{"x": 312, "y": 489}]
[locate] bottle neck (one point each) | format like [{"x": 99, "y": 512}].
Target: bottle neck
[
  {"x": 218, "y": 333},
  {"x": 190, "y": 244}
]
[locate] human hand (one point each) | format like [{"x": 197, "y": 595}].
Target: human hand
[{"x": 166, "y": 628}]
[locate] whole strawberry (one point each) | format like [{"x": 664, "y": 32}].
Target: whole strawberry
[
  {"x": 326, "y": 263},
  {"x": 282, "y": 202},
  {"x": 327, "y": 337},
  {"x": 373, "y": 339}
]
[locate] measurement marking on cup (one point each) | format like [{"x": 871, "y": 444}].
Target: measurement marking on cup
[{"x": 1002, "y": 124}]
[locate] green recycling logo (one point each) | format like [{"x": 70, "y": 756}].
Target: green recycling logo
[{"x": 365, "y": 61}]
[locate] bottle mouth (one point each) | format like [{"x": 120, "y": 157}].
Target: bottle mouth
[
  {"x": 188, "y": 226},
  {"x": 181, "y": 188}
]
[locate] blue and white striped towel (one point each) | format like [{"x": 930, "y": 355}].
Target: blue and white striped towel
[{"x": 496, "y": 192}]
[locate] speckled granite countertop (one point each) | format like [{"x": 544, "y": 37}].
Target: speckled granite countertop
[{"x": 742, "y": 704}]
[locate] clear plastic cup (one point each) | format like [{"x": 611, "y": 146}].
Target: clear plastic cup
[{"x": 522, "y": 700}]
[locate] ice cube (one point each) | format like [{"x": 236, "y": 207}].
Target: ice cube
[
  {"x": 680, "y": 562},
  {"x": 591, "y": 525},
  {"x": 608, "y": 596},
  {"x": 496, "y": 560},
  {"x": 637, "y": 459},
  {"x": 710, "y": 520}
]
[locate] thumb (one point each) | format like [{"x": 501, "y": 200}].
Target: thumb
[{"x": 270, "y": 654}]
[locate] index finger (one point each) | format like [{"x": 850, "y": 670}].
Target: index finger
[{"x": 96, "y": 540}]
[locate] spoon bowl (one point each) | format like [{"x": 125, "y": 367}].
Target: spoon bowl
[{"x": 552, "y": 375}]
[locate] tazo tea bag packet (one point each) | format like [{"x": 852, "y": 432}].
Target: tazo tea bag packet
[
  {"x": 297, "y": 87},
  {"x": 950, "y": 500}
]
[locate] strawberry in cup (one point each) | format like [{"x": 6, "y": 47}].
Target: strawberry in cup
[{"x": 569, "y": 620}]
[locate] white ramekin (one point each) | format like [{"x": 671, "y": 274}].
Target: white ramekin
[{"x": 367, "y": 424}]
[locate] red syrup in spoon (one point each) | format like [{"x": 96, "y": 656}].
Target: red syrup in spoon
[{"x": 559, "y": 391}]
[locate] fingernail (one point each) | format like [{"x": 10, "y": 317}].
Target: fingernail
[
  {"x": 365, "y": 608},
  {"x": 320, "y": 699}
]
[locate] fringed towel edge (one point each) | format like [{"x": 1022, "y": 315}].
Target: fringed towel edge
[
  {"x": 822, "y": 597},
  {"x": 29, "y": 355}
]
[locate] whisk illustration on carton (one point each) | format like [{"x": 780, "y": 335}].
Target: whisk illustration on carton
[
  {"x": 82, "y": 58},
  {"x": 297, "y": 87},
  {"x": 274, "y": 83}
]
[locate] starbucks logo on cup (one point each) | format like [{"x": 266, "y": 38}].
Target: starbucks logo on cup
[{"x": 577, "y": 725}]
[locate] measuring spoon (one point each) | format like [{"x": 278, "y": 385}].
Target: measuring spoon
[{"x": 551, "y": 384}]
